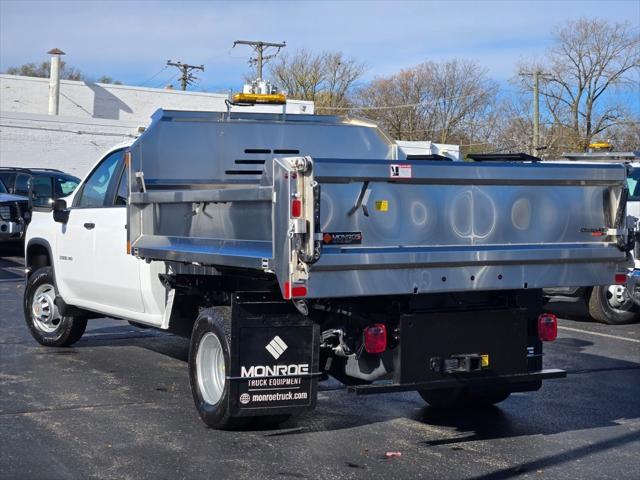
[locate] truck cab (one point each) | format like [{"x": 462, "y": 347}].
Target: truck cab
[{"x": 88, "y": 252}]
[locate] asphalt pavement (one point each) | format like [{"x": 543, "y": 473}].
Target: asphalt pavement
[{"x": 117, "y": 405}]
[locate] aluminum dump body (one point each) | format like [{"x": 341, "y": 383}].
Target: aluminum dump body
[{"x": 219, "y": 191}]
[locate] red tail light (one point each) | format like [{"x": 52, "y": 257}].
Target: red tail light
[
  {"x": 547, "y": 327},
  {"x": 375, "y": 338},
  {"x": 296, "y": 208},
  {"x": 294, "y": 291},
  {"x": 620, "y": 278}
]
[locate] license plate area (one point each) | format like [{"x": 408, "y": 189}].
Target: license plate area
[{"x": 482, "y": 343}]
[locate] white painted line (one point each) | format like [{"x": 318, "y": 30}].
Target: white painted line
[{"x": 616, "y": 337}]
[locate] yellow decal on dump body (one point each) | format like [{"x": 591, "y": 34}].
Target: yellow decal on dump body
[
  {"x": 485, "y": 360},
  {"x": 382, "y": 205}
]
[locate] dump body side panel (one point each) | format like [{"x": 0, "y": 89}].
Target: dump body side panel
[{"x": 393, "y": 226}]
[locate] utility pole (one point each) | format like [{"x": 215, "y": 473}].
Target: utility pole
[
  {"x": 536, "y": 107},
  {"x": 260, "y": 47},
  {"x": 536, "y": 110},
  {"x": 187, "y": 77}
]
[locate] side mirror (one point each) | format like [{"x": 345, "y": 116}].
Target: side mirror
[{"x": 60, "y": 211}]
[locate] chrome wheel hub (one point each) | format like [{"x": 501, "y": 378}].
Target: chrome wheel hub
[
  {"x": 44, "y": 312},
  {"x": 619, "y": 298},
  {"x": 210, "y": 368}
]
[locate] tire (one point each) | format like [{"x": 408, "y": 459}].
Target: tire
[
  {"x": 611, "y": 306},
  {"x": 45, "y": 323},
  {"x": 210, "y": 341},
  {"x": 210, "y": 345},
  {"x": 455, "y": 398}
]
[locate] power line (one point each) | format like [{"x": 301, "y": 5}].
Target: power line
[
  {"x": 167, "y": 81},
  {"x": 186, "y": 78},
  {"x": 154, "y": 76},
  {"x": 405, "y": 105}
]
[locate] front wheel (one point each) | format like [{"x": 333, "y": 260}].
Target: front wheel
[
  {"x": 46, "y": 324},
  {"x": 613, "y": 305}
]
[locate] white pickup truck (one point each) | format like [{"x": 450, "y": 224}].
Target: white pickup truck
[{"x": 290, "y": 248}]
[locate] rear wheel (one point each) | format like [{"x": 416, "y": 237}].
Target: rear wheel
[
  {"x": 209, "y": 363},
  {"x": 612, "y": 304},
  {"x": 46, "y": 324},
  {"x": 452, "y": 398},
  {"x": 209, "y": 366}
]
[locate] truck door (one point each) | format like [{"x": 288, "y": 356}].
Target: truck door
[
  {"x": 75, "y": 242},
  {"x": 117, "y": 274},
  {"x": 93, "y": 264}
]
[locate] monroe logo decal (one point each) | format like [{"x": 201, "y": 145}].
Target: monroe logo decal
[
  {"x": 274, "y": 370},
  {"x": 276, "y": 347},
  {"x": 342, "y": 238}
]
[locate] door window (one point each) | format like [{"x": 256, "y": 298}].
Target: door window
[
  {"x": 8, "y": 179},
  {"x": 634, "y": 184},
  {"x": 94, "y": 191},
  {"x": 42, "y": 192},
  {"x": 65, "y": 186},
  {"x": 123, "y": 189},
  {"x": 22, "y": 185}
]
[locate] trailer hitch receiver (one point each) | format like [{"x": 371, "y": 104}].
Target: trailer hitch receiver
[{"x": 464, "y": 363}]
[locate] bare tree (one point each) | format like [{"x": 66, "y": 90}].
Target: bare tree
[
  {"x": 400, "y": 103},
  {"x": 590, "y": 58},
  {"x": 43, "y": 70},
  {"x": 625, "y": 136},
  {"x": 449, "y": 101},
  {"x": 107, "y": 79},
  {"x": 326, "y": 78},
  {"x": 464, "y": 96}
]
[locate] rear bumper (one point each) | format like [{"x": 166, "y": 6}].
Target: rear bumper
[{"x": 515, "y": 381}]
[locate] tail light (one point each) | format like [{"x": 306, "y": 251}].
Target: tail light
[
  {"x": 547, "y": 327},
  {"x": 620, "y": 278},
  {"x": 294, "y": 291},
  {"x": 296, "y": 208},
  {"x": 375, "y": 338}
]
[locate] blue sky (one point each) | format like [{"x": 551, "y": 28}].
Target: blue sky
[{"x": 132, "y": 40}]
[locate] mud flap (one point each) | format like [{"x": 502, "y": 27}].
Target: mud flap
[{"x": 274, "y": 357}]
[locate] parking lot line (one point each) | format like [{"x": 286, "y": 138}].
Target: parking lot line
[{"x": 616, "y": 337}]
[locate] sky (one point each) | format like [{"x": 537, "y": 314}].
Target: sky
[{"x": 131, "y": 41}]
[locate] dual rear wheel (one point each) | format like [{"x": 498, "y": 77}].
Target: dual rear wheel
[{"x": 209, "y": 360}]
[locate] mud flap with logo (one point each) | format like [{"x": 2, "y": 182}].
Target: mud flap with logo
[{"x": 274, "y": 357}]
